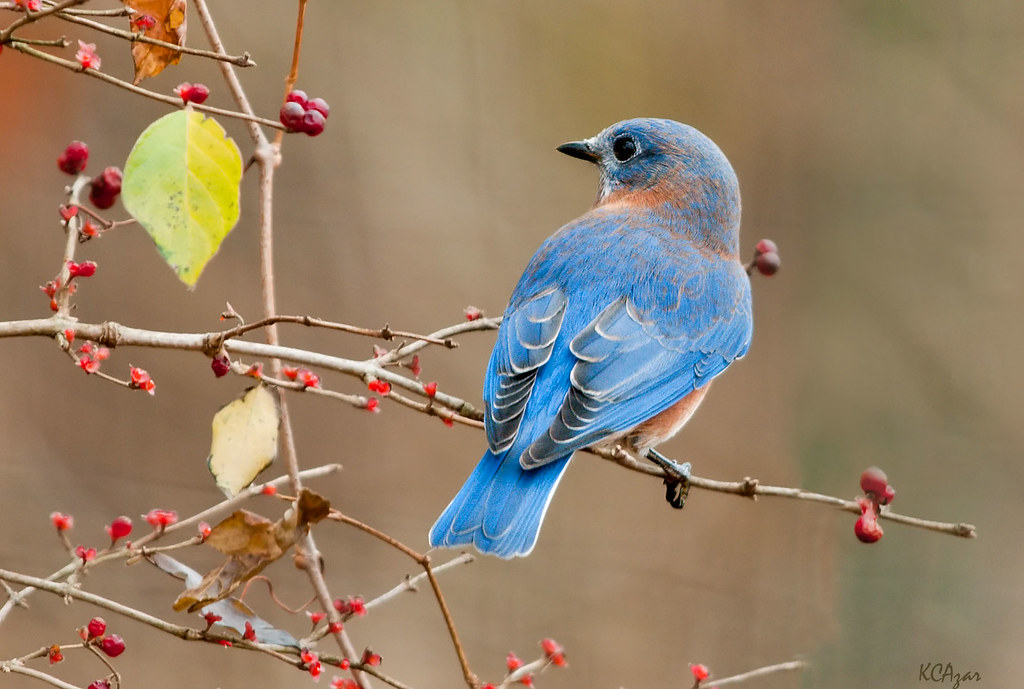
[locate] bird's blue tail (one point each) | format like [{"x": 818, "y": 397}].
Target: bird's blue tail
[{"x": 500, "y": 507}]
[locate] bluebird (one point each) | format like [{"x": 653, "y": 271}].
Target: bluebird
[{"x": 615, "y": 330}]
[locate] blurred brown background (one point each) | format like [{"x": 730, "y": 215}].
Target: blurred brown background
[{"x": 879, "y": 143}]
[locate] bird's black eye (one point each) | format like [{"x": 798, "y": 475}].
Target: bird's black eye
[{"x": 624, "y": 148}]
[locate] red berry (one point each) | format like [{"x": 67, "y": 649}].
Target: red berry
[
  {"x": 372, "y": 404},
  {"x": 211, "y": 619},
  {"x": 221, "y": 365},
  {"x": 87, "y": 56},
  {"x": 197, "y": 94},
  {"x": 700, "y": 671},
  {"x": 414, "y": 365},
  {"x": 316, "y": 617},
  {"x": 290, "y": 372},
  {"x": 867, "y": 529},
  {"x": 874, "y": 480},
  {"x": 55, "y": 655},
  {"x": 68, "y": 212},
  {"x": 50, "y": 288},
  {"x": 140, "y": 380},
  {"x": 97, "y": 627},
  {"x": 74, "y": 158},
  {"x": 765, "y": 246},
  {"x": 88, "y": 231},
  {"x": 371, "y": 658},
  {"x": 472, "y": 313},
  {"x": 291, "y": 115},
  {"x": 204, "y": 530},
  {"x": 112, "y": 645},
  {"x": 118, "y": 529},
  {"x": 768, "y": 263},
  {"x": 86, "y": 554},
  {"x": 62, "y": 522},
  {"x": 890, "y": 495},
  {"x": 85, "y": 269},
  {"x": 105, "y": 188},
  {"x": 320, "y": 105},
  {"x": 249, "y": 634},
  {"x": 144, "y": 22},
  {"x": 309, "y": 379},
  {"x": 313, "y": 122},
  {"x": 447, "y": 422},
  {"x": 512, "y": 662},
  {"x": 430, "y": 388},
  {"x": 335, "y": 627},
  {"x": 161, "y": 518},
  {"x": 554, "y": 651},
  {"x": 297, "y": 96},
  {"x": 269, "y": 489},
  {"x": 99, "y": 684}
]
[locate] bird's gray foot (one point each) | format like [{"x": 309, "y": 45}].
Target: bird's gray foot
[{"x": 677, "y": 481}]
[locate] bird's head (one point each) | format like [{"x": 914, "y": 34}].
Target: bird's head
[{"x": 657, "y": 163}]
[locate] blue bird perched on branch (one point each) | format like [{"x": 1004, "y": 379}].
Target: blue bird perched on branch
[{"x": 615, "y": 330}]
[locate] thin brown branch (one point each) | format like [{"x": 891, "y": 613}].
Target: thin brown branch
[
  {"x": 752, "y": 488},
  {"x": 243, "y": 60},
  {"x": 293, "y": 73},
  {"x": 424, "y": 561},
  {"x": 282, "y": 653},
  {"x": 791, "y": 666},
  {"x": 31, "y": 17},
  {"x": 385, "y": 333},
  {"x": 251, "y": 119},
  {"x": 6, "y": 666}
]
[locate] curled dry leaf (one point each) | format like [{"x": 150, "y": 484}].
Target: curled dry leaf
[
  {"x": 251, "y": 542},
  {"x": 168, "y": 25}
]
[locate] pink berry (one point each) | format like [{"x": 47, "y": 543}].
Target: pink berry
[
  {"x": 97, "y": 627},
  {"x": 99, "y": 684},
  {"x": 313, "y": 122},
  {"x": 768, "y": 263},
  {"x": 766, "y": 246},
  {"x": 73, "y": 159},
  {"x": 291, "y": 115},
  {"x": 297, "y": 96},
  {"x": 112, "y": 645},
  {"x": 874, "y": 480},
  {"x": 320, "y": 105}
]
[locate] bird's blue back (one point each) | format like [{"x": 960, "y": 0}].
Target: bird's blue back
[{"x": 619, "y": 315}]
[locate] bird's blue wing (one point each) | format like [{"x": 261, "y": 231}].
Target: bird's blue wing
[
  {"x": 525, "y": 343},
  {"x": 636, "y": 359}
]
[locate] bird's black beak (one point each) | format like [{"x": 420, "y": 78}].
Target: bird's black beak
[{"x": 579, "y": 149}]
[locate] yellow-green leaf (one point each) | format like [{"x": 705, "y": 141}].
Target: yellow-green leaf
[
  {"x": 181, "y": 182},
  {"x": 244, "y": 439}
]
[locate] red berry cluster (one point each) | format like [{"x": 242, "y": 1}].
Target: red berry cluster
[
  {"x": 877, "y": 492},
  {"x": 95, "y": 633},
  {"x": 302, "y": 114},
  {"x": 192, "y": 93},
  {"x": 353, "y": 605},
  {"x": 766, "y": 257},
  {"x": 301, "y": 375}
]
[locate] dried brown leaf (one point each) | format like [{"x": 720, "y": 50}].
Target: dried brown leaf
[{"x": 169, "y": 26}]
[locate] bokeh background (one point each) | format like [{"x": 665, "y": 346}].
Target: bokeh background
[{"x": 879, "y": 143}]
